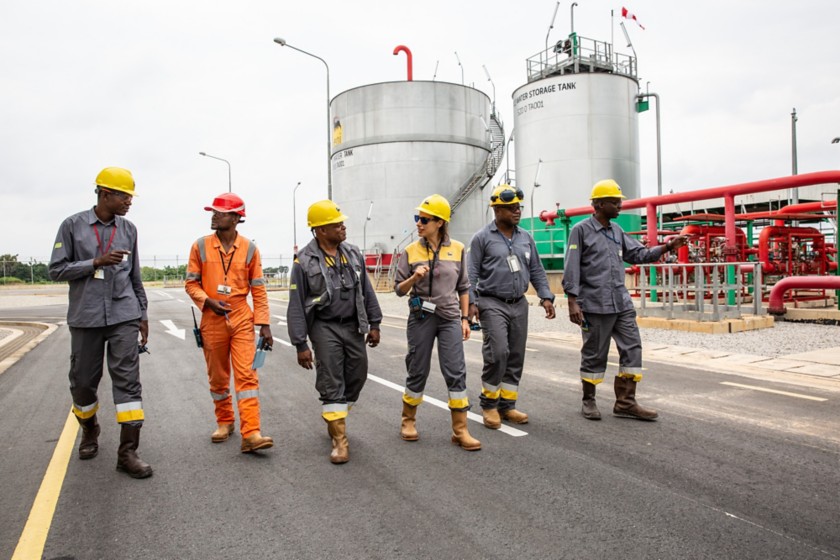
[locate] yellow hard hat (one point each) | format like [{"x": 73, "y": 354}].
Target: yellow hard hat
[
  {"x": 116, "y": 179},
  {"x": 437, "y": 206},
  {"x": 324, "y": 212},
  {"x": 505, "y": 194},
  {"x": 607, "y": 188}
]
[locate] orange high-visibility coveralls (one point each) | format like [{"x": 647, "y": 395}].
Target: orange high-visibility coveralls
[{"x": 230, "y": 339}]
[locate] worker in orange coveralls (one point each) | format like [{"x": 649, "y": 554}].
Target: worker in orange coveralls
[{"x": 223, "y": 269}]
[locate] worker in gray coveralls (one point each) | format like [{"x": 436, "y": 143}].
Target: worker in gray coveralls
[
  {"x": 599, "y": 302},
  {"x": 503, "y": 260},
  {"x": 95, "y": 252},
  {"x": 332, "y": 302},
  {"x": 433, "y": 270}
]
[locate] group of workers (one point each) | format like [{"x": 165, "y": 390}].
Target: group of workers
[{"x": 452, "y": 290}]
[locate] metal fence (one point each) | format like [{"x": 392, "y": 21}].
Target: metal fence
[{"x": 700, "y": 291}]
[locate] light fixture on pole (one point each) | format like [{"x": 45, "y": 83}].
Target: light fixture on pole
[
  {"x": 573, "y": 16},
  {"x": 536, "y": 186},
  {"x": 486, "y": 73},
  {"x": 282, "y": 42},
  {"x": 294, "y": 216},
  {"x": 220, "y": 159},
  {"x": 458, "y": 58}
]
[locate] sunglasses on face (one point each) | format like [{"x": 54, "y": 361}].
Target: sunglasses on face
[
  {"x": 508, "y": 195},
  {"x": 422, "y": 219}
]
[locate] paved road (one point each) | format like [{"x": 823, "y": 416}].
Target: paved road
[{"x": 729, "y": 471}]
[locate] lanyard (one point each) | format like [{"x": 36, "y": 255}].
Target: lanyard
[
  {"x": 230, "y": 261},
  {"x": 432, "y": 263},
  {"x": 610, "y": 236},
  {"x": 508, "y": 242},
  {"x": 99, "y": 241}
]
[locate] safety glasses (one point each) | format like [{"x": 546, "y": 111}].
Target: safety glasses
[
  {"x": 422, "y": 219},
  {"x": 508, "y": 195}
]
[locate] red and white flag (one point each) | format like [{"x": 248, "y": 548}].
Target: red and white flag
[{"x": 627, "y": 15}]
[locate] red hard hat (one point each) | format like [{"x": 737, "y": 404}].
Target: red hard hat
[{"x": 228, "y": 202}]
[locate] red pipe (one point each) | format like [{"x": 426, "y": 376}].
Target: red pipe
[
  {"x": 402, "y": 48},
  {"x": 770, "y": 231},
  {"x": 728, "y": 193},
  {"x": 777, "y": 305},
  {"x": 804, "y": 207}
]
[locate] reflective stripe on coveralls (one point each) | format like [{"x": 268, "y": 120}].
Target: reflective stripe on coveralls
[
  {"x": 85, "y": 412},
  {"x": 492, "y": 392},
  {"x": 412, "y": 398},
  {"x": 130, "y": 412},
  {"x": 334, "y": 411},
  {"x": 458, "y": 400},
  {"x": 510, "y": 391},
  {"x": 247, "y": 395},
  {"x": 219, "y": 396},
  {"x": 603, "y": 329}
]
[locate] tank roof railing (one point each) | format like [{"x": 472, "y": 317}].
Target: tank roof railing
[{"x": 580, "y": 54}]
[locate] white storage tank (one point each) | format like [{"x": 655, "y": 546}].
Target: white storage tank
[{"x": 394, "y": 143}]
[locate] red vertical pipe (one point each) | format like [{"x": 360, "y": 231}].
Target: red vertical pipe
[
  {"x": 731, "y": 248},
  {"x": 402, "y": 48},
  {"x": 653, "y": 238}
]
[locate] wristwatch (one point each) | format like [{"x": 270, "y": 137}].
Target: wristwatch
[{"x": 464, "y": 318}]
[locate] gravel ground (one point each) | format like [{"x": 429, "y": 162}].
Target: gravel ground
[{"x": 783, "y": 339}]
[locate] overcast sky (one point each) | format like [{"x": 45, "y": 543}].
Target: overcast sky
[{"x": 147, "y": 85}]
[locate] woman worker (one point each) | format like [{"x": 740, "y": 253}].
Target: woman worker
[{"x": 433, "y": 272}]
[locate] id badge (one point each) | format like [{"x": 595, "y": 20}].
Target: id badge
[
  {"x": 513, "y": 263},
  {"x": 345, "y": 294},
  {"x": 429, "y": 307},
  {"x": 99, "y": 274},
  {"x": 221, "y": 289}
]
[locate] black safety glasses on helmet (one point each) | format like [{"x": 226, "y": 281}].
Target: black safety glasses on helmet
[
  {"x": 423, "y": 220},
  {"x": 508, "y": 195}
]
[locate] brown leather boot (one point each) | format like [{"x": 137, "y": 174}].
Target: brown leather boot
[
  {"x": 340, "y": 453},
  {"x": 625, "y": 401},
  {"x": 515, "y": 416},
  {"x": 89, "y": 446},
  {"x": 460, "y": 434},
  {"x": 492, "y": 419},
  {"x": 255, "y": 442},
  {"x": 408, "y": 429},
  {"x": 127, "y": 459},
  {"x": 222, "y": 433},
  {"x": 589, "y": 410}
]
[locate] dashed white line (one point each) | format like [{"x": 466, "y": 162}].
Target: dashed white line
[
  {"x": 158, "y": 292},
  {"x": 281, "y": 341},
  {"x": 774, "y": 391}
]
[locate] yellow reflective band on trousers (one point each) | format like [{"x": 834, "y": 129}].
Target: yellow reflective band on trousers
[
  {"x": 510, "y": 392},
  {"x": 412, "y": 398},
  {"x": 491, "y": 392},
  {"x": 334, "y": 411},
  {"x": 634, "y": 373},
  {"x": 85, "y": 412},
  {"x": 594, "y": 378},
  {"x": 458, "y": 400},
  {"x": 130, "y": 412}
]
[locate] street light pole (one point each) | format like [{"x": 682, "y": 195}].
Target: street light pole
[
  {"x": 364, "y": 232},
  {"x": 536, "y": 186},
  {"x": 220, "y": 159},
  {"x": 658, "y": 151},
  {"x": 282, "y": 42},
  {"x": 294, "y": 216}
]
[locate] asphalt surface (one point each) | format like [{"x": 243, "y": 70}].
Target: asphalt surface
[{"x": 727, "y": 472}]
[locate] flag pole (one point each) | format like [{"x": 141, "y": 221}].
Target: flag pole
[{"x": 612, "y": 38}]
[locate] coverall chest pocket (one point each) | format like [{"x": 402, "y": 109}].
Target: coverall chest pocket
[
  {"x": 238, "y": 274},
  {"x": 315, "y": 280}
]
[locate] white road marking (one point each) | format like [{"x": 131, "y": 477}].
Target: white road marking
[
  {"x": 173, "y": 330},
  {"x": 775, "y": 392},
  {"x": 440, "y": 404},
  {"x": 158, "y": 292},
  {"x": 281, "y": 341}
]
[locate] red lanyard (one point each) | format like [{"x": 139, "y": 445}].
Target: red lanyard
[{"x": 99, "y": 241}]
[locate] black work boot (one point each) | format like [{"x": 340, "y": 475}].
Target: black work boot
[
  {"x": 127, "y": 459},
  {"x": 89, "y": 446},
  {"x": 625, "y": 401},
  {"x": 589, "y": 410}
]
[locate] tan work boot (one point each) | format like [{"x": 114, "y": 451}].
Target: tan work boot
[
  {"x": 492, "y": 419},
  {"x": 89, "y": 446},
  {"x": 222, "y": 433},
  {"x": 460, "y": 434},
  {"x": 589, "y": 409},
  {"x": 340, "y": 453},
  {"x": 127, "y": 459},
  {"x": 255, "y": 442},
  {"x": 408, "y": 428},
  {"x": 515, "y": 416},
  {"x": 625, "y": 401}
]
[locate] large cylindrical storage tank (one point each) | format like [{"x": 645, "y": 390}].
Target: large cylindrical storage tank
[
  {"x": 394, "y": 143},
  {"x": 584, "y": 128}
]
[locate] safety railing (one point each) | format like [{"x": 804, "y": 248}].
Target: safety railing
[
  {"x": 700, "y": 291},
  {"x": 577, "y": 53}
]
